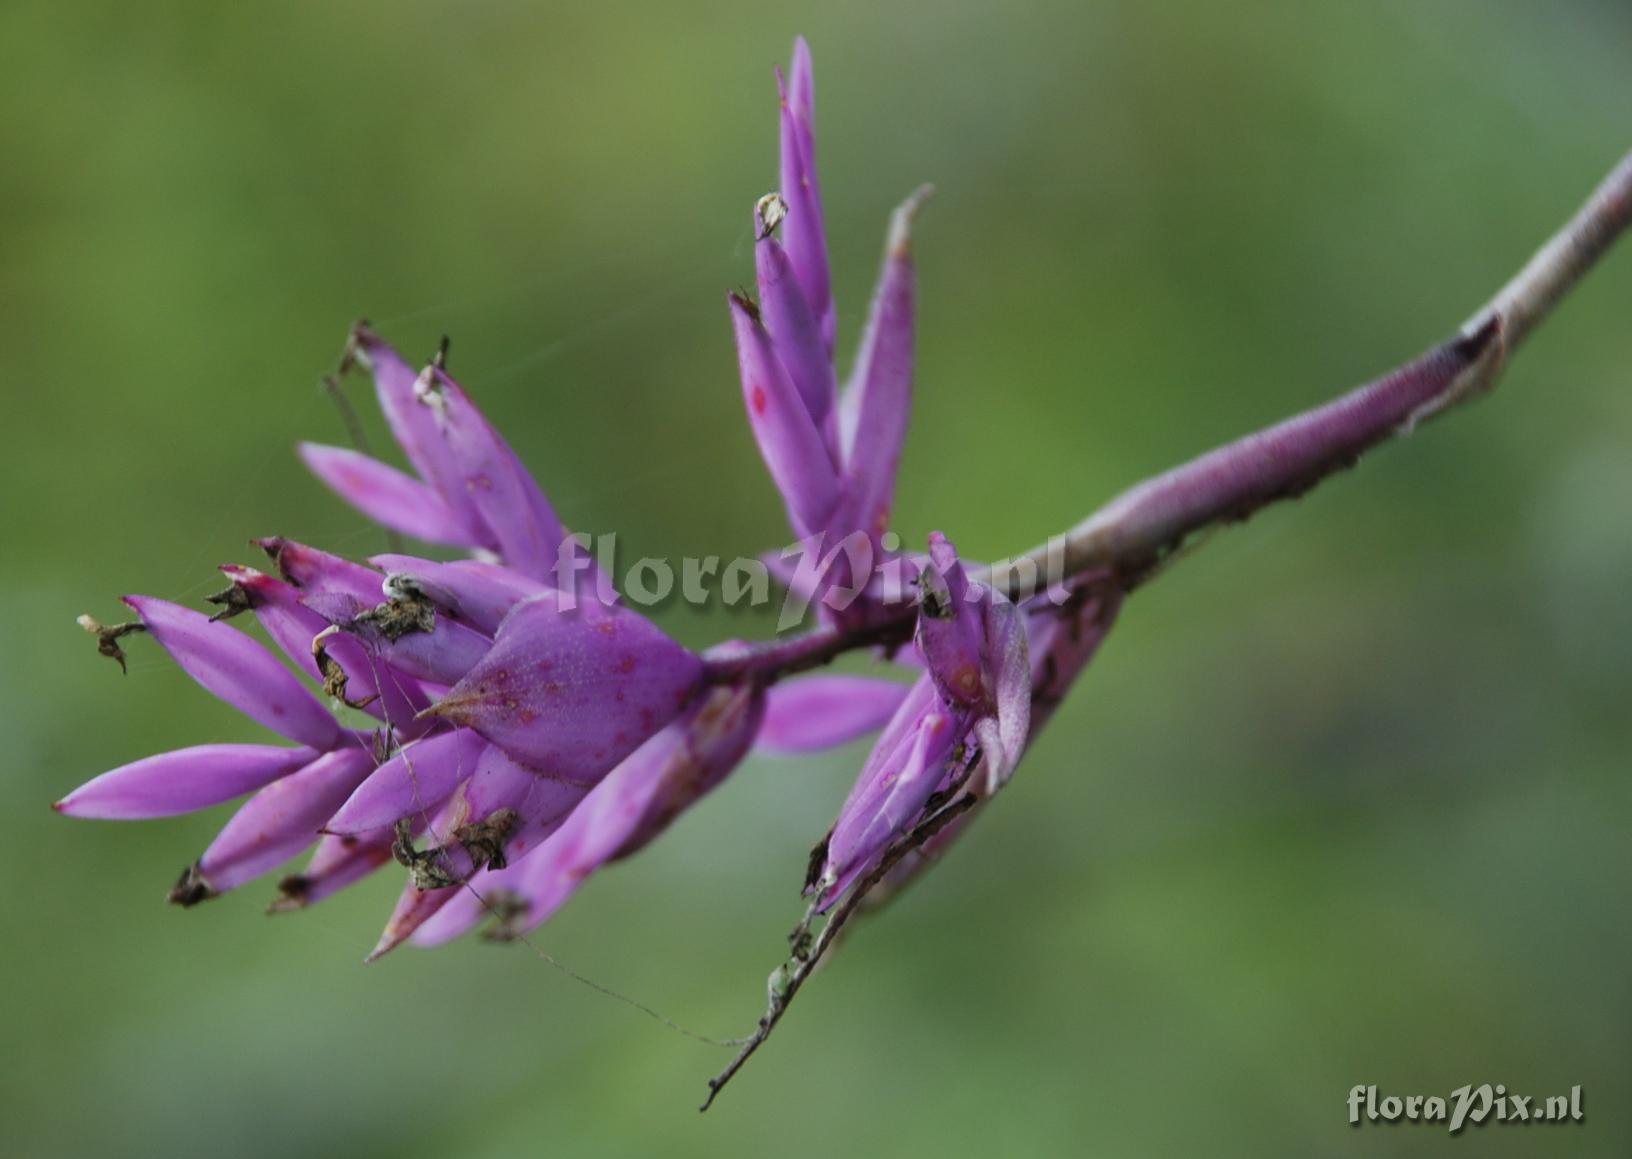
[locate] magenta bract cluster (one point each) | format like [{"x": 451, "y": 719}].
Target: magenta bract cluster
[{"x": 528, "y": 727}]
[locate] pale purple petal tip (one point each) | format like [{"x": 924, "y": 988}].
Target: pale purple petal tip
[
  {"x": 820, "y": 712},
  {"x": 385, "y": 494},
  {"x": 804, "y": 231},
  {"x": 414, "y": 907},
  {"x": 239, "y": 671},
  {"x": 182, "y": 781}
]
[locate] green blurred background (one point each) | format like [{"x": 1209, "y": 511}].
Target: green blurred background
[{"x": 1344, "y": 800}]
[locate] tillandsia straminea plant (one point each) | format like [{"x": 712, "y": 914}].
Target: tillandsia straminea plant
[{"x": 502, "y": 724}]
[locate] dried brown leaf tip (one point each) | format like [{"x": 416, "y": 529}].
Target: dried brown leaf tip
[
  {"x": 108, "y": 637},
  {"x": 190, "y": 888},
  {"x": 233, "y": 600}
]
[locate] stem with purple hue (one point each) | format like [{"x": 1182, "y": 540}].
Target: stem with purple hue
[{"x": 1134, "y": 531}]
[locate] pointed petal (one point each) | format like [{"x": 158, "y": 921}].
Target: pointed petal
[
  {"x": 480, "y": 594},
  {"x": 572, "y": 692},
  {"x": 795, "y": 333},
  {"x": 510, "y": 501},
  {"x": 414, "y": 906},
  {"x": 792, "y": 447},
  {"x": 806, "y": 236},
  {"x": 415, "y": 781},
  {"x": 182, "y": 781},
  {"x": 874, "y": 411},
  {"x": 802, "y": 85},
  {"x": 239, "y": 671},
  {"x": 318, "y": 571},
  {"x": 282, "y": 819},
  {"x": 819, "y": 712},
  {"x": 385, "y": 494}
]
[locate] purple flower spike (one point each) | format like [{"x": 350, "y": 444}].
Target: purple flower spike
[
  {"x": 572, "y": 692},
  {"x": 385, "y": 494},
  {"x": 794, "y": 450},
  {"x": 821, "y": 712},
  {"x": 277, "y": 823},
  {"x": 807, "y": 240},
  {"x": 238, "y": 670},
  {"x": 183, "y": 781},
  {"x": 417, "y": 780}
]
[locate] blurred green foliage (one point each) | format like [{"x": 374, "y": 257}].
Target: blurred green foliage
[{"x": 1344, "y": 800}]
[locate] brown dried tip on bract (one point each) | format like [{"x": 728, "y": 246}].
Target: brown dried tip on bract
[
  {"x": 291, "y": 895},
  {"x": 484, "y": 840},
  {"x": 424, "y": 866},
  {"x": 351, "y": 354},
  {"x": 273, "y": 548},
  {"x": 233, "y": 600},
  {"x": 190, "y": 888},
  {"x": 107, "y": 638}
]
